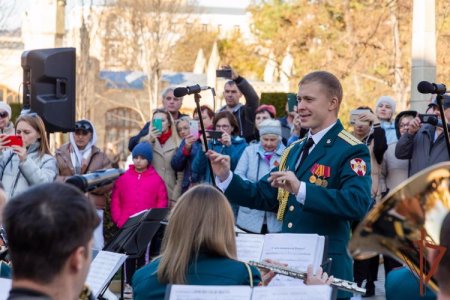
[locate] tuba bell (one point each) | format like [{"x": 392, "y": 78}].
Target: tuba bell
[{"x": 408, "y": 215}]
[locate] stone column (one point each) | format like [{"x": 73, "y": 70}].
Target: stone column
[{"x": 423, "y": 65}]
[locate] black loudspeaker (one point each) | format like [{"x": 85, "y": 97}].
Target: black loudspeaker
[{"x": 49, "y": 86}]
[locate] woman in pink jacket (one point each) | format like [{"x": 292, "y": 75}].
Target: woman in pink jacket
[{"x": 139, "y": 188}]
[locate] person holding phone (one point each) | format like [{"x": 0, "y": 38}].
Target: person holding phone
[
  {"x": 184, "y": 156},
  {"x": 165, "y": 141},
  {"x": 424, "y": 144},
  {"x": 6, "y": 126},
  {"x": 29, "y": 164},
  {"x": 170, "y": 103},
  {"x": 244, "y": 113},
  {"x": 229, "y": 143}
]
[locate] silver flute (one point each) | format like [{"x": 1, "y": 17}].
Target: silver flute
[{"x": 340, "y": 284}]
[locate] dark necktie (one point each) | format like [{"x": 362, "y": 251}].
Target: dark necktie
[{"x": 309, "y": 143}]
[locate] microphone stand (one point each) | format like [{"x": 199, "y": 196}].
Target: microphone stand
[
  {"x": 197, "y": 98},
  {"x": 444, "y": 121}
]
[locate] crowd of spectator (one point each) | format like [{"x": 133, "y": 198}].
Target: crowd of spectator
[{"x": 168, "y": 158}]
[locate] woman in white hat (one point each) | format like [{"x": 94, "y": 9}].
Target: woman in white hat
[
  {"x": 256, "y": 161},
  {"x": 6, "y": 126}
]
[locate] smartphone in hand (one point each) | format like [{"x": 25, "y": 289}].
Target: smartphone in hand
[
  {"x": 14, "y": 140},
  {"x": 157, "y": 124},
  {"x": 354, "y": 116},
  {"x": 224, "y": 73},
  {"x": 213, "y": 134},
  {"x": 193, "y": 128}
]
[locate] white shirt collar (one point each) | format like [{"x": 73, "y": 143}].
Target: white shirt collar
[{"x": 319, "y": 135}]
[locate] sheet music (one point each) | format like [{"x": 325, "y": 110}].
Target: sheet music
[
  {"x": 5, "y": 287},
  {"x": 210, "y": 292},
  {"x": 249, "y": 246},
  {"x": 305, "y": 292},
  {"x": 296, "y": 250},
  {"x": 102, "y": 269}
]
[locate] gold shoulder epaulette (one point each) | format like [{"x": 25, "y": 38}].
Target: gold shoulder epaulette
[{"x": 349, "y": 138}]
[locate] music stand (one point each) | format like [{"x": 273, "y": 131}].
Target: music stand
[{"x": 132, "y": 239}]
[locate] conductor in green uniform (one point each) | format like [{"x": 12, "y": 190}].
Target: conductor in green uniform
[{"x": 323, "y": 181}]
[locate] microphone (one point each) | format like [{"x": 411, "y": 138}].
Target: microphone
[
  {"x": 183, "y": 91},
  {"x": 426, "y": 87},
  {"x": 91, "y": 181}
]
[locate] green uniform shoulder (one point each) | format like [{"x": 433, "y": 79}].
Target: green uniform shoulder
[{"x": 349, "y": 138}]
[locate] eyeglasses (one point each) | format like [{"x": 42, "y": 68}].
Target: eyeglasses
[
  {"x": 402, "y": 125},
  {"x": 222, "y": 127},
  {"x": 4, "y": 114}
]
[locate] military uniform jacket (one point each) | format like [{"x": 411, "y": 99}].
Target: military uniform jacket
[{"x": 327, "y": 210}]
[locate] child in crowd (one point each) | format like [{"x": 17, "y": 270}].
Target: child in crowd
[{"x": 139, "y": 188}]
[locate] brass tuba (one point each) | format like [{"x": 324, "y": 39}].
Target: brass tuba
[{"x": 413, "y": 210}]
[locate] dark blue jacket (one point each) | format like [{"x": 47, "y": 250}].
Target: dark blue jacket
[
  {"x": 180, "y": 163},
  {"x": 200, "y": 163}
]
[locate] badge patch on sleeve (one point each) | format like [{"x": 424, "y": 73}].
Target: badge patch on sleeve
[{"x": 358, "y": 166}]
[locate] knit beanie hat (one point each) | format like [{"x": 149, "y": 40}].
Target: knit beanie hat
[
  {"x": 5, "y": 106},
  {"x": 143, "y": 149},
  {"x": 270, "y": 126},
  {"x": 388, "y": 100},
  {"x": 267, "y": 107}
]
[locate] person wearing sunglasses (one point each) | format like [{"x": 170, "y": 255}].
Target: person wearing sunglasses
[
  {"x": 30, "y": 163},
  {"x": 6, "y": 126},
  {"x": 81, "y": 156}
]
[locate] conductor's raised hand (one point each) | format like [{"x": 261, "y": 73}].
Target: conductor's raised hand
[
  {"x": 220, "y": 164},
  {"x": 286, "y": 180}
]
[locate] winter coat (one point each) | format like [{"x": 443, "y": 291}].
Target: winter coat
[
  {"x": 9, "y": 129},
  {"x": 235, "y": 150},
  {"x": 253, "y": 166},
  {"x": 18, "y": 176},
  {"x": 134, "y": 192},
  {"x": 245, "y": 114},
  {"x": 393, "y": 170},
  {"x": 420, "y": 149},
  {"x": 182, "y": 162},
  {"x": 96, "y": 161},
  {"x": 162, "y": 157}
]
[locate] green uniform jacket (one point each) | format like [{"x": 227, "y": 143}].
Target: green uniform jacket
[
  {"x": 327, "y": 210},
  {"x": 208, "y": 270}
]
